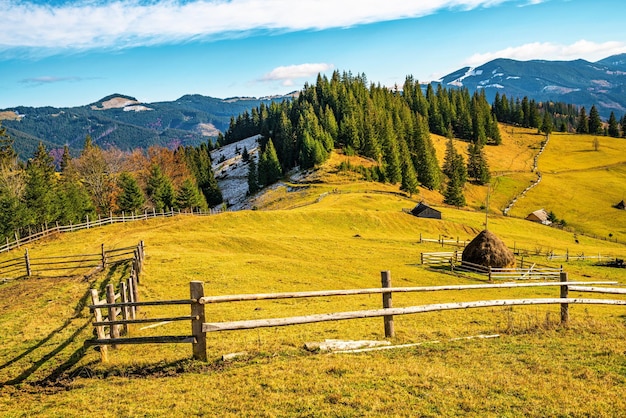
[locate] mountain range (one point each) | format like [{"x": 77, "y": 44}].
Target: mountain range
[
  {"x": 583, "y": 83},
  {"x": 122, "y": 121}
]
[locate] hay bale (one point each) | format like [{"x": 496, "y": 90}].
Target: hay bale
[{"x": 488, "y": 250}]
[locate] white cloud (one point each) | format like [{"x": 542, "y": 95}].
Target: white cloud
[
  {"x": 591, "y": 51},
  {"x": 288, "y": 73},
  {"x": 89, "y": 24}
]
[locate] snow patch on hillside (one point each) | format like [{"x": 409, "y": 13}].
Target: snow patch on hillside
[
  {"x": 472, "y": 71},
  {"x": 128, "y": 105},
  {"x": 231, "y": 171}
]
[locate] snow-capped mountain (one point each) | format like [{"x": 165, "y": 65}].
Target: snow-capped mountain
[{"x": 579, "y": 82}]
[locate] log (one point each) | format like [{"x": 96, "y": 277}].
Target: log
[
  {"x": 347, "y": 292},
  {"x": 95, "y": 299},
  {"x": 296, "y": 320},
  {"x": 145, "y": 320},
  {"x": 607, "y": 290},
  {"x": 143, "y": 340}
]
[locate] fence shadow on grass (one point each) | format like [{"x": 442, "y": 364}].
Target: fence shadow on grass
[{"x": 78, "y": 354}]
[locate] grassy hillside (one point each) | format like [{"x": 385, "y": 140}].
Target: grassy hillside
[{"x": 329, "y": 232}]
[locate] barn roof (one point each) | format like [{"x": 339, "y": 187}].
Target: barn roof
[
  {"x": 539, "y": 215},
  {"x": 421, "y": 207}
]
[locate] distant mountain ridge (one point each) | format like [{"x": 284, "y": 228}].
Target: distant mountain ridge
[
  {"x": 583, "y": 83},
  {"x": 125, "y": 122}
]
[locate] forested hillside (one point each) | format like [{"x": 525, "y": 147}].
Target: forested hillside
[{"x": 99, "y": 182}]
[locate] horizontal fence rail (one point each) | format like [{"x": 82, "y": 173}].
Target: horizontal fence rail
[
  {"x": 28, "y": 265},
  {"x": 309, "y": 319}
]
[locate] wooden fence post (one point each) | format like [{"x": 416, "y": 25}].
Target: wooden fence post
[
  {"x": 196, "y": 291},
  {"x": 104, "y": 256},
  {"x": 27, "y": 261},
  {"x": 489, "y": 273},
  {"x": 17, "y": 240},
  {"x": 87, "y": 217},
  {"x": 131, "y": 297},
  {"x": 133, "y": 279},
  {"x": 125, "y": 309},
  {"x": 387, "y": 303},
  {"x": 114, "y": 329},
  {"x": 95, "y": 300},
  {"x": 564, "y": 294}
]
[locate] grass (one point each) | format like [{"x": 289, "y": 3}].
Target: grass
[{"x": 334, "y": 234}]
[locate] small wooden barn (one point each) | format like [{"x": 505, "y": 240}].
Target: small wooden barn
[
  {"x": 540, "y": 216},
  {"x": 422, "y": 210},
  {"x": 620, "y": 205}
]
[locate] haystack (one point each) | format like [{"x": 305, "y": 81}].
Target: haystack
[{"x": 488, "y": 250}]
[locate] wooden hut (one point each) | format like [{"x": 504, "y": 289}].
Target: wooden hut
[
  {"x": 620, "y": 205},
  {"x": 540, "y": 216},
  {"x": 422, "y": 210}
]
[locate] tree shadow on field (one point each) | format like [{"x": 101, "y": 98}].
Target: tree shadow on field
[{"x": 73, "y": 358}]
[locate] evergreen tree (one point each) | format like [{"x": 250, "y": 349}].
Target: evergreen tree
[
  {"x": 454, "y": 168},
  {"x": 73, "y": 200},
  {"x": 160, "y": 189},
  {"x": 131, "y": 198},
  {"x": 546, "y": 123},
  {"x": 8, "y": 155},
  {"x": 613, "y": 126},
  {"x": 595, "y": 123},
  {"x": 40, "y": 190},
  {"x": 269, "y": 166},
  {"x": 189, "y": 196},
  {"x": 582, "y": 126},
  {"x": 624, "y": 126},
  {"x": 409, "y": 177},
  {"x": 477, "y": 167},
  {"x": 428, "y": 172},
  {"x": 245, "y": 156},
  {"x": 253, "y": 177}
]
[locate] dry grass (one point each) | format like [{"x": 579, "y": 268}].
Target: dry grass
[{"x": 330, "y": 235}]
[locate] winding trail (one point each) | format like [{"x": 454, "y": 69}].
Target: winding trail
[{"x": 534, "y": 184}]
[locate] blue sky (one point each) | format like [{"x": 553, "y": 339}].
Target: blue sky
[{"x": 70, "y": 53}]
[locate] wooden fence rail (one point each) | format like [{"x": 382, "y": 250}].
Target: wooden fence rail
[
  {"x": 27, "y": 265},
  {"x": 47, "y": 230},
  {"x": 200, "y": 327}
]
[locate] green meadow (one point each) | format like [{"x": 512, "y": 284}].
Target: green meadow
[{"x": 337, "y": 232}]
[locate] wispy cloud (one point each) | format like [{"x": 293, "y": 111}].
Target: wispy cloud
[
  {"x": 87, "y": 24},
  {"x": 37, "y": 81},
  {"x": 546, "y": 50},
  {"x": 287, "y": 74}
]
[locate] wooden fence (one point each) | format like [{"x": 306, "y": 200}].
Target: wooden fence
[
  {"x": 18, "y": 240},
  {"x": 199, "y": 328},
  {"x": 127, "y": 295},
  {"x": 525, "y": 270},
  {"x": 549, "y": 254},
  {"x": 27, "y": 266}
]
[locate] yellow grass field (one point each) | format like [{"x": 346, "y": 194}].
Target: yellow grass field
[{"x": 333, "y": 233}]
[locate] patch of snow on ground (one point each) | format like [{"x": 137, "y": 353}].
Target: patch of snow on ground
[
  {"x": 232, "y": 173},
  {"x": 136, "y": 108}
]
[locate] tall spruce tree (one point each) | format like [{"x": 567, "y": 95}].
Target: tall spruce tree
[
  {"x": 160, "y": 189},
  {"x": 546, "y": 124},
  {"x": 253, "y": 177},
  {"x": 582, "y": 125},
  {"x": 189, "y": 197},
  {"x": 131, "y": 198},
  {"x": 613, "y": 126},
  {"x": 477, "y": 167},
  {"x": 595, "y": 123},
  {"x": 269, "y": 166},
  {"x": 73, "y": 200},
  {"x": 454, "y": 168},
  {"x": 40, "y": 190},
  {"x": 409, "y": 177}
]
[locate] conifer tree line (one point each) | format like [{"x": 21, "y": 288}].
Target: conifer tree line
[
  {"x": 556, "y": 116},
  {"x": 391, "y": 127},
  {"x": 100, "y": 182}
]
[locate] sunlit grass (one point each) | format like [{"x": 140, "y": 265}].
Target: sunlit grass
[{"x": 335, "y": 234}]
